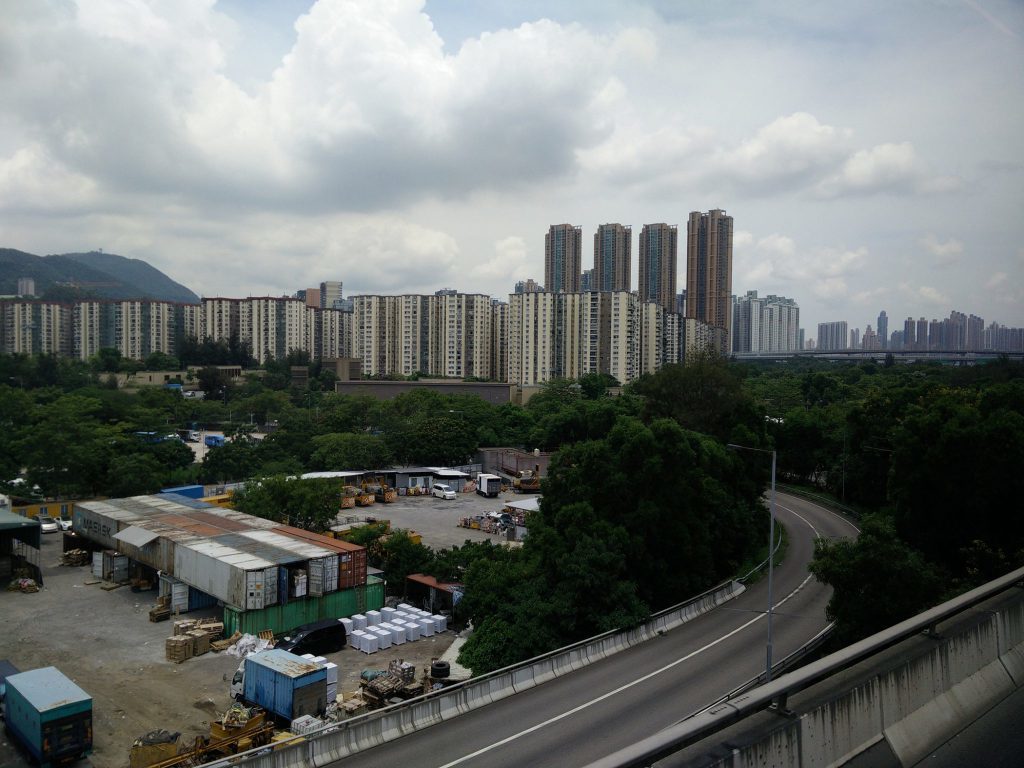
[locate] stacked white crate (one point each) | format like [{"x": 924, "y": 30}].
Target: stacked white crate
[
  {"x": 383, "y": 637},
  {"x": 387, "y": 614},
  {"x": 426, "y": 626},
  {"x": 359, "y": 620},
  {"x": 348, "y": 625},
  {"x": 397, "y": 633},
  {"x": 368, "y": 642},
  {"x": 373, "y": 618},
  {"x": 412, "y": 631},
  {"x": 353, "y": 638},
  {"x": 404, "y": 607},
  {"x": 440, "y": 623},
  {"x": 305, "y": 724},
  {"x": 332, "y": 681}
]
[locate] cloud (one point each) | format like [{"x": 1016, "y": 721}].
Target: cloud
[
  {"x": 997, "y": 279},
  {"x": 945, "y": 253},
  {"x": 933, "y": 295},
  {"x": 779, "y": 264}
]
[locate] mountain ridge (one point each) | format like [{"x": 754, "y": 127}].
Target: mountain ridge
[{"x": 91, "y": 274}]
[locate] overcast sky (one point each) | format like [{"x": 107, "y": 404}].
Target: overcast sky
[{"x": 871, "y": 153}]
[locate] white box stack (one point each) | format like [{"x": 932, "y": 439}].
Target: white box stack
[
  {"x": 412, "y": 631},
  {"x": 387, "y": 614},
  {"x": 426, "y": 626},
  {"x": 368, "y": 642},
  {"x": 305, "y": 724},
  {"x": 404, "y": 607},
  {"x": 332, "y": 681},
  {"x": 373, "y": 618},
  {"x": 383, "y": 637},
  {"x": 353, "y": 638},
  {"x": 348, "y": 625},
  {"x": 359, "y": 620},
  {"x": 440, "y": 623},
  {"x": 397, "y": 633}
]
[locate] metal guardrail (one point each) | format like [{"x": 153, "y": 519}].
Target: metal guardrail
[
  {"x": 828, "y": 501},
  {"x": 676, "y": 737}
]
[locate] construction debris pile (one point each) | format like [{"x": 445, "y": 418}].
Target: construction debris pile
[{"x": 23, "y": 585}]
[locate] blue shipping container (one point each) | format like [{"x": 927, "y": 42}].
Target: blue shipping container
[
  {"x": 284, "y": 684},
  {"x": 190, "y": 491},
  {"x": 49, "y": 715},
  {"x": 197, "y": 599}
]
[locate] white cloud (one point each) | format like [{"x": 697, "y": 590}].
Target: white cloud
[
  {"x": 945, "y": 252},
  {"x": 933, "y": 295},
  {"x": 997, "y": 279}
]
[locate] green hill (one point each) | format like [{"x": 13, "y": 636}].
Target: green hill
[{"x": 89, "y": 275}]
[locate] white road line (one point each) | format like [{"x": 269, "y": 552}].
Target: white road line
[
  {"x": 648, "y": 676},
  {"x": 825, "y": 509}
]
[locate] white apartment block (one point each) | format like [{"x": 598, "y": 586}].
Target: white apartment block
[
  {"x": 35, "y": 328},
  {"x": 568, "y": 335},
  {"x": 766, "y": 324}
]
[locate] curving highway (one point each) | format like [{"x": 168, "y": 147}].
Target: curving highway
[{"x": 583, "y": 716}]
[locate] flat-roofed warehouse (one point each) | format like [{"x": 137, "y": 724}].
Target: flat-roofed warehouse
[{"x": 264, "y": 574}]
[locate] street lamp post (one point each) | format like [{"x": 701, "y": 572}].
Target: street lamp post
[{"x": 771, "y": 555}]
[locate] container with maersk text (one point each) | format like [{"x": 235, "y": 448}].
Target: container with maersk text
[{"x": 49, "y": 715}]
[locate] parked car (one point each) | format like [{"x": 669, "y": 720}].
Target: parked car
[
  {"x": 48, "y": 524},
  {"x": 194, "y": 436},
  {"x": 318, "y": 638},
  {"x": 64, "y": 523},
  {"x": 443, "y": 491}
]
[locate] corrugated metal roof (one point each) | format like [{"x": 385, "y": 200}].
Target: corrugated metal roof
[
  {"x": 47, "y": 688},
  {"x": 136, "y": 535},
  {"x": 279, "y": 540},
  {"x": 286, "y": 663}
]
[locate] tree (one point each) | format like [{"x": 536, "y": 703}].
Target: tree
[
  {"x": 878, "y": 580},
  {"x": 309, "y": 504},
  {"x": 402, "y": 556},
  {"x": 134, "y": 475},
  {"x": 349, "y": 451}
]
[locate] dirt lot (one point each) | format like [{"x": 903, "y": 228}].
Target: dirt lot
[{"x": 106, "y": 644}]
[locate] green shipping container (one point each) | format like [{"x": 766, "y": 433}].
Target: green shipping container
[{"x": 284, "y": 618}]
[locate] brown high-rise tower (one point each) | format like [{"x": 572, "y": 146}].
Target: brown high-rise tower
[
  {"x": 659, "y": 248},
  {"x": 709, "y": 270},
  {"x": 563, "y": 248},
  {"x": 612, "y": 249}
]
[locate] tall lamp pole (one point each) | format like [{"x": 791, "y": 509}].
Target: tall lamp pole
[{"x": 771, "y": 554}]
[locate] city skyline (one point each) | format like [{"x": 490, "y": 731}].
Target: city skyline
[{"x": 407, "y": 147}]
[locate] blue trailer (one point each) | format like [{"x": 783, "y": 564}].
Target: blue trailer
[
  {"x": 214, "y": 441},
  {"x": 284, "y": 684},
  {"x": 49, "y": 715}
]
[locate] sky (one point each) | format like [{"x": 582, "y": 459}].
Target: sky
[{"x": 871, "y": 153}]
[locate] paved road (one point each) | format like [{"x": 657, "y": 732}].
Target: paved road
[{"x": 583, "y": 716}]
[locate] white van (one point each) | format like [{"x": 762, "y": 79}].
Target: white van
[{"x": 443, "y": 491}]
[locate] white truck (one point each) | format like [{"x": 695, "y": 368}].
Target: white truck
[{"x": 488, "y": 485}]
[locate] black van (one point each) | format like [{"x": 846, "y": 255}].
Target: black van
[{"x": 318, "y": 638}]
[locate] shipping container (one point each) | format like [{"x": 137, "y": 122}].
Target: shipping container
[
  {"x": 285, "y": 684},
  {"x": 351, "y": 557},
  {"x": 49, "y": 715},
  {"x": 285, "y": 617},
  {"x": 220, "y": 571},
  {"x": 189, "y": 491}
]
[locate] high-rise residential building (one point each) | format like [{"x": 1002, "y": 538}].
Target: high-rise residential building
[
  {"x": 922, "y": 334},
  {"x": 528, "y": 286},
  {"x": 768, "y": 324},
  {"x": 587, "y": 281},
  {"x": 896, "y": 340},
  {"x": 330, "y": 294},
  {"x": 855, "y": 338},
  {"x": 563, "y": 249},
  {"x": 612, "y": 258},
  {"x": 883, "y": 330},
  {"x": 833, "y": 336},
  {"x": 709, "y": 269},
  {"x": 909, "y": 334},
  {"x": 870, "y": 339},
  {"x": 311, "y": 296},
  {"x": 33, "y": 327},
  {"x": 26, "y": 286},
  {"x": 659, "y": 248}
]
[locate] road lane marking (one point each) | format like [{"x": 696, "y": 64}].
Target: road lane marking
[
  {"x": 638, "y": 681},
  {"x": 825, "y": 509},
  {"x": 622, "y": 688}
]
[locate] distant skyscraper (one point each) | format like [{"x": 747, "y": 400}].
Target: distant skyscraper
[
  {"x": 855, "y": 338},
  {"x": 528, "y": 286},
  {"x": 562, "y": 252},
  {"x": 832, "y": 336},
  {"x": 26, "y": 286},
  {"x": 330, "y": 294},
  {"x": 612, "y": 258},
  {"x": 909, "y": 333},
  {"x": 883, "y": 329},
  {"x": 587, "y": 281},
  {"x": 922, "y": 334},
  {"x": 659, "y": 248},
  {"x": 709, "y": 268}
]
